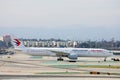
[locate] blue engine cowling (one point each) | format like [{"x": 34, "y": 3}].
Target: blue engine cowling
[{"x": 72, "y": 56}]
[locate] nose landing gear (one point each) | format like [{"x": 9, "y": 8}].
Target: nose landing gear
[{"x": 105, "y": 59}]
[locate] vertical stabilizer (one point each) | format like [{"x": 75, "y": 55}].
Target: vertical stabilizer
[{"x": 16, "y": 42}]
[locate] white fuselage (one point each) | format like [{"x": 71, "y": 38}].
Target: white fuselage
[{"x": 80, "y": 52}]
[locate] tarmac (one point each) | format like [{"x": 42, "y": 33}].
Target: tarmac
[{"x": 25, "y": 67}]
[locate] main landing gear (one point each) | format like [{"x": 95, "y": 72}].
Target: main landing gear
[
  {"x": 60, "y": 59},
  {"x": 72, "y": 61}
]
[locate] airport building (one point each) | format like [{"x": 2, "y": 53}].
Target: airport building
[
  {"x": 48, "y": 43},
  {"x": 1, "y": 38},
  {"x": 7, "y": 39}
]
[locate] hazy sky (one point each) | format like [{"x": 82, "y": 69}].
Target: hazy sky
[{"x": 65, "y": 19}]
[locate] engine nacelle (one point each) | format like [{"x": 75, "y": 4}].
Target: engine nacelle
[{"x": 72, "y": 56}]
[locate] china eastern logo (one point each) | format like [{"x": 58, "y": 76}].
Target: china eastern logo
[{"x": 17, "y": 42}]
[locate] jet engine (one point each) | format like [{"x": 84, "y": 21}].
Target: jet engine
[{"x": 72, "y": 56}]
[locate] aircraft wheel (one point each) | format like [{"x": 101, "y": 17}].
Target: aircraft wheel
[
  {"x": 60, "y": 59},
  {"x": 72, "y": 61},
  {"x": 105, "y": 59}
]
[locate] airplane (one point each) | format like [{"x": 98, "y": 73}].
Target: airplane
[{"x": 71, "y": 53}]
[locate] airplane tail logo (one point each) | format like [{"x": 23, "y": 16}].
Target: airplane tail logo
[{"x": 17, "y": 42}]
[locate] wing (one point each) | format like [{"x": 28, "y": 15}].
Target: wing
[{"x": 60, "y": 53}]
